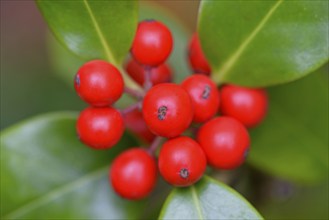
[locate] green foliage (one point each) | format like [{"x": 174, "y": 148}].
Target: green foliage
[
  {"x": 292, "y": 143},
  {"x": 66, "y": 64},
  {"x": 46, "y": 172},
  {"x": 93, "y": 29},
  {"x": 298, "y": 203},
  {"x": 208, "y": 199},
  {"x": 262, "y": 43}
]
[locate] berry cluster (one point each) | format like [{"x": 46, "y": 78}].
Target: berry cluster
[{"x": 166, "y": 114}]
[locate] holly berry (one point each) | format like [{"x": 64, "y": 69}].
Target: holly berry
[
  {"x": 99, "y": 83},
  {"x": 225, "y": 142},
  {"x": 182, "y": 161},
  {"x": 134, "y": 121},
  {"x": 204, "y": 95},
  {"x": 159, "y": 74},
  {"x": 100, "y": 128},
  {"x": 152, "y": 44},
  {"x": 133, "y": 174},
  {"x": 167, "y": 110},
  {"x": 247, "y": 105},
  {"x": 196, "y": 57}
]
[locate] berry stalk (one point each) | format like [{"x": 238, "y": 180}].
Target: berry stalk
[{"x": 156, "y": 142}]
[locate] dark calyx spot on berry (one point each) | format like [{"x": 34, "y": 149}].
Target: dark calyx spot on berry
[
  {"x": 206, "y": 92},
  {"x": 77, "y": 80},
  {"x": 184, "y": 173},
  {"x": 162, "y": 111}
]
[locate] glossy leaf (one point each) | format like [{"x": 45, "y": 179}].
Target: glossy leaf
[
  {"x": 292, "y": 143},
  {"x": 93, "y": 29},
  {"x": 47, "y": 173},
  {"x": 208, "y": 199},
  {"x": 65, "y": 64},
  {"x": 262, "y": 43}
]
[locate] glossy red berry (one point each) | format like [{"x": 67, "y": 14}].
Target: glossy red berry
[
  {"x": 159, "y": 74},
  {"x": 247, "y": 105},
  {"x": 182, "y": 161},
  {"x": 196, "y": 57},
  {"x": 225, "y": 142},
  {"x": 167, "y": 110},
  {"x": 152, "y": 44},
  {"x": 100, "y": 128},
  {"x": 204, "y": 95},
  {"x": 134, "y": 121},
  {"x": 133, "y": 174},
  {"x": 99, "y": 83}
]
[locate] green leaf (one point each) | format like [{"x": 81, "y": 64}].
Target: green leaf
[
  {"x": 262, "y": 43},
  {"x": 93, "y": 29},
  {"x": 66, "y": 64},
  {"x": 47, "y": 173},
  {"x": 292, "y": 143},
  {"x": 208, "y": 199}
]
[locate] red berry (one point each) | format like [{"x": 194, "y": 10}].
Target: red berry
[
  {"x": 100, "y": 128},
  {"x": 247, "y": 105},
  {"x": 99, "y": 83},
  {"x": 133, "y": 174},
  {"x": 152, "y": 44},
  {"x": 204, "y": 96},
  {"x": 182, "y": 161},
  {"x": 134, "y": 121},
  {"x": 159, "y": 74},
  {"x": 196, "y": 57},
  {"x": 167, "y": 110},
  {"x": 225, "y": 142}
]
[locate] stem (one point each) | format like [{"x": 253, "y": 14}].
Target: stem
[
  {"x": 147, "y": 78},
  {"x": 156, "y": 142},
  {"x": 130, "y": 108},
  {"x": 134, "y": 93}
]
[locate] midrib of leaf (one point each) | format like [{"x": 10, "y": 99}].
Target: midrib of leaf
[
  {"x": 99, "y": 32},
  {"x": 55, "y": 194},
  {"x": 196, "y": 202},
  {"x": 227, "y": 66},
  {"x": 109, "y": 56}
]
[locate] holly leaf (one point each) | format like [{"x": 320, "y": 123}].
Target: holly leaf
[
  {"x": 292, "y": 143},
  {"x": 262, "y": 43},
  {"x": 208, "y": 199},
  {"x": 47, "y": 173},
  {"x": 93, "y": 29},
  {"x": 66, "y": 64}
]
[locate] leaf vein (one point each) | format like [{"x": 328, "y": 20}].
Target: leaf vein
[
  {"x": 55, "y": 194},
  {"x": 196, "y": 202},
  {"x": 100, "y": 34},
  {"x": 236, "y": 55}
]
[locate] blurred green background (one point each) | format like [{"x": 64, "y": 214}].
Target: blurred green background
[{"x": 29, "y": 87}]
